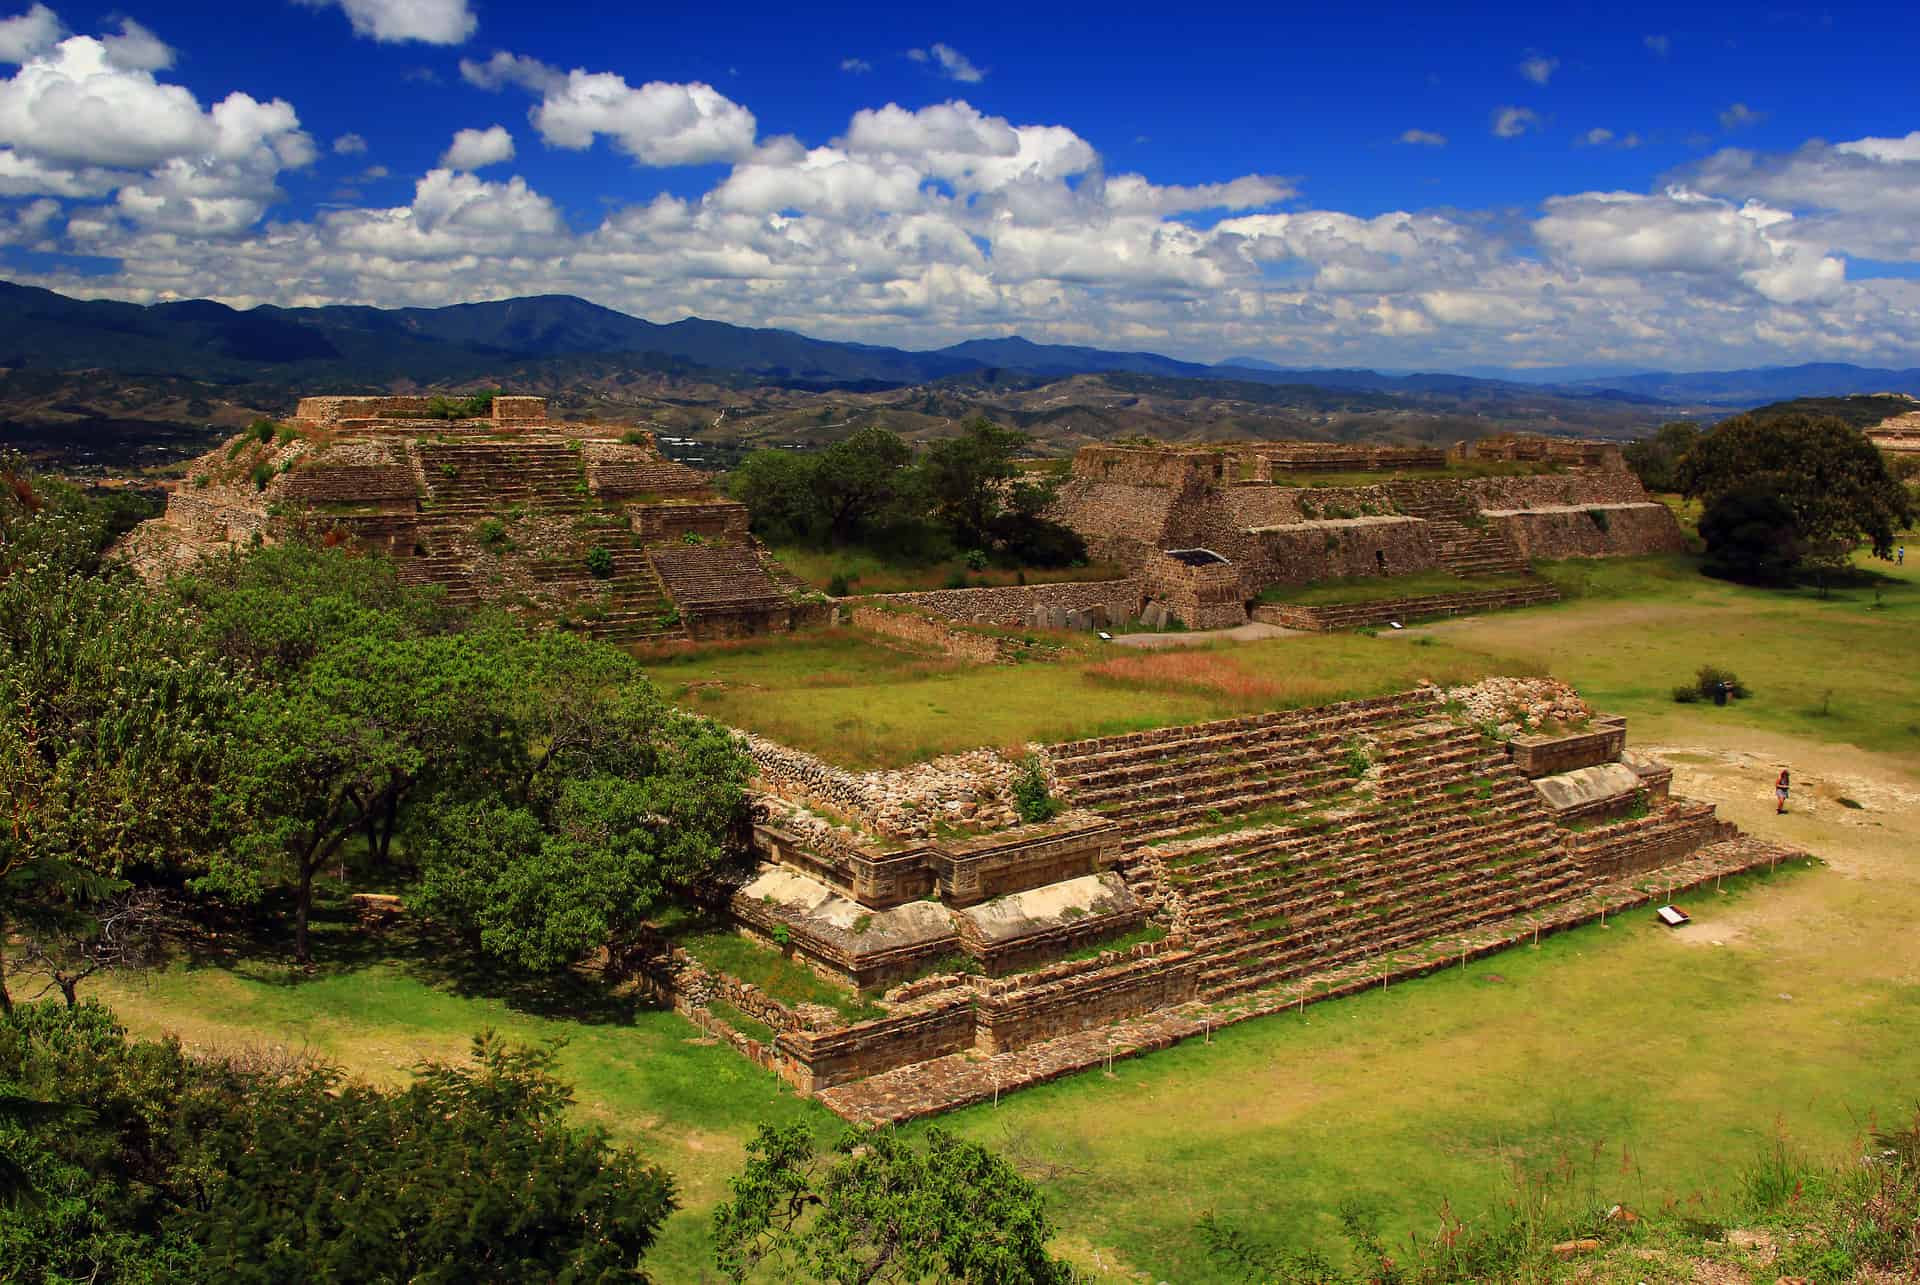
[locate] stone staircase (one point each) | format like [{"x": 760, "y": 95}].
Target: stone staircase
[
  {"x": 1467, "y": 544},
  {"x": 1436, "y": 835},
  {"x": 466, "y": 481},
  {"x": 629, "y": 606},
  {"x": 1169, "y": 784},
  {"x": 1364, "y": 614}
]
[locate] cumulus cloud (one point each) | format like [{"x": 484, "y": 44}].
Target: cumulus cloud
[
  {"x": 1538, "y": 68},
  {"x": 1512, "y": 122},
  {"x": 1739, "y": 116},
  {"x": 474, "y": 149},
  {"x": 926, "y": 225},
  {"x": 950, "y": 62},
  {"x": 137, "y": 49},
  {"x": 857, "y": 66},
  {"x": 658, "y": 123},
  {"x": 30, "y": 34},
  {"x": 349, "y": 145},
  {"x": 432, "y": 22},
  {"x": 1658, "y": 46},
  {"x": 1423, "y": 138}
]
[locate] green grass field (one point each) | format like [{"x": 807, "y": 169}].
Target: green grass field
[
  {"x": 854, "y": 702},
  {"x": 1639, "y": 1065}
]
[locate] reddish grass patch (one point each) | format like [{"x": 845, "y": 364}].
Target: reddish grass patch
[{"x": 1204, "y": 673}]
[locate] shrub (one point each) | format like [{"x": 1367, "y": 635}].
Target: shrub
[
  {"x": 262, "y": 474},
  {"x": 976, "y": 559},
  {"x": 670, "y": 618},
  {"x": 839, "y": 586},
  {"x": 958, "y": 580},
  {"x": 599, "y": 562},
  {"x": 692, "y": 538},
  {"x": 1686, "y": 694},
  {"x": 1031, "y": 797},
  {"x": 1708, "y": 678},
  {"x": 1358, "y": 760},
  {"x": 263, "y": 429},
  {"x": 491, "y": 532},
  {"x": 1600, "y": 518},
  {"x": 634, "y": 437}
]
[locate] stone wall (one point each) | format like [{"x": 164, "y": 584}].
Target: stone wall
[
  {"x": 975, "y": 645},
  {"x": 1578, "y": 488},
  {"x": 1308, "y": 456},
  {"x": 1208, "y": 596},
  {"x": 818, "y": 1059},
  {"x": 1011, "y": 605},
  {"x": 1536, "y": 755},
  {"x": 1594, "y": 531},
  {"x": 1121, "y": 522},
  {"x": 1150, "y": 465},
  {"x": 1027, "y": 1014},
  {"x": 1533, "y": 447},
  {"x": 1335, "y": 548},
  {"x": 719, "y": 520},
  {"x": 330, "y": 410}
]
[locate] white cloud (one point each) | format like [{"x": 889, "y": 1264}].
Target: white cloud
[
  {"x": 953, "y": 64},
  {"x": 1595, "y": 138},
  {"x": 1658, "y": 46},
  {"x": 349, "y": 145},
  {"x": 137, "y": 49},
  {"x": 1884, "y": 149},
  {"x": 30, "y": 34},
  {"x": 857, "y": 66},
  {"x": 1512, "y": 122},
  {"x": 658, "y": 123},
  {"x": 475, "y": 149},
  {"x": 432, "y": 22},
  {"x": 1423, "y": 138},
  {"x": 1538, "y": 68},
  {"x": 505, "y": 69},
  {"x": 1739, "y": 116}
]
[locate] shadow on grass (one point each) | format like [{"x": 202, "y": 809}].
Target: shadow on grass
[{"x": 257, "y": 943}]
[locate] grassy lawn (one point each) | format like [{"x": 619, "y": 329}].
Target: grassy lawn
[
  {"x": 1841, "y": 668},
  {"x": 869, "y": 572},
  {"x": 1421, "y": 584},
  {"x": 862, "y": 705}
]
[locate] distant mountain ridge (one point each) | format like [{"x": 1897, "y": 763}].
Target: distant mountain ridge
[{"x": 342, "y": 346}]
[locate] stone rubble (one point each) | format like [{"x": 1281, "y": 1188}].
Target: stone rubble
[{"x": 1515, "y": 705}]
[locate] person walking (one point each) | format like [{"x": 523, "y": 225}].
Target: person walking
[{"x": 1780, "y": 792}]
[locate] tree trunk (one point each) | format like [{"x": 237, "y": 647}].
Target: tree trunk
[
  {"x": 69, "y": 987},
  {"x": 388, "y": 824},
  {"x": 6, "y": 999},
  {"x": 301, "y": 953}
]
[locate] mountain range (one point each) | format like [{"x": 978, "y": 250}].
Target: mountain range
[{"x": 355, "y": 347}]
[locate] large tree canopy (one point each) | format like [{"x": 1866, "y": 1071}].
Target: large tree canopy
[
  {"x": 607, "y": 801},
  {"x": 1826, "y": 474},
  {"x": 882, "y": 1208},
  {"x": 150, "y": 1164}
]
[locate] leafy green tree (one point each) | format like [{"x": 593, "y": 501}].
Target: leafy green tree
[
  {"x": 319, "y": 755},
  {"x": 608, "y": 802},
  {"x": 1827, "y": 474},
  {"x": 114, "y": 744},
  {"x": 157, "y": 1166},
  {"x": 883, "y": 1208},
  {"x": 859, "y": 481},
  {"x": 967, "y": 480},
  {"x": 1750, "y": 533},
  {"x": 1656, "y": 460},
  {"x": 777, "y": 488},
  {"x": 471, "y": 1172}
]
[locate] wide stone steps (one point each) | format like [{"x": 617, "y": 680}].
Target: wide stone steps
[
  {"x": 1311, "y": 884},
  {"x": 1310, "y": 959},
  {"x": 1074, "y": 760},
  {"x": 1267, "y": 747}
]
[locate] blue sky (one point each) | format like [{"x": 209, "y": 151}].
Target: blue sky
[{"x": 1401, "y": 187}]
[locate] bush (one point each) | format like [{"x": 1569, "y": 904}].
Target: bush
[
  {"x": 839, "y": 586},
  {"x": 976, "y": 559},
  {"x": 1686, "y": 694},
  {"x": 262, "y": 474},
  {"x": 1031, "y": 797},
  {"x": 263, "y": 429},
  {"x": 599, "y": 562},
  {"x": 634, "y": 437},
  {"x": 1709, "y": 678},
  {"x": 1600, "y": 518},
  {"x": 491, "y": 532}
]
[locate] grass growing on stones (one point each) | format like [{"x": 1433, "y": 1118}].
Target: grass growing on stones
[
  {"x": 862, "y": 705},
  {"x": 786, "y": 980},
  {"x": 868, "y": 571}
]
